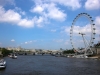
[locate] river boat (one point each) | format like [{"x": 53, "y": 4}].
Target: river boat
[
  {"x": 81, "y": 56},
  {"x": 10, "y": 56},
  {"x": 2, "y": 64},
  {"x": 14, "y": 56}
]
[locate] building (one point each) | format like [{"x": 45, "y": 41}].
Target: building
[
  {"x": 14, "y": 48},
  {"x": 96, "y": 48}
]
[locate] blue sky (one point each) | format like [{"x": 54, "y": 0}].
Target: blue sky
[{"x": 45, "y": 24}]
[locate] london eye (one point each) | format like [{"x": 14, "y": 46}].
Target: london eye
[{"x": 85, "y": 33}]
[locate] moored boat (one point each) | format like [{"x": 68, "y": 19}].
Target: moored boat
[
  {"x": 14, "y": 56},
  {"x": 2, "y": 63}
]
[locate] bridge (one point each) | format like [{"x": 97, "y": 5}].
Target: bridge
[{"x": 38, "y": 52}]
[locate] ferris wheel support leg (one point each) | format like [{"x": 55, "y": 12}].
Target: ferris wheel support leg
[
  {"x": 88, "y": 46},
  {"x": 84, "y": 43}
]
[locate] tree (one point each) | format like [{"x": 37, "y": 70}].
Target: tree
[
  {"x": 5, "y": 52},
  {"x": 68, "y": 52}
]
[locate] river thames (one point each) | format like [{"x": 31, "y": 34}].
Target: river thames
[{"x": 50, "y": 65}]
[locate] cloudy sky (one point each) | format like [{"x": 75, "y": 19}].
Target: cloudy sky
[{"x": 45, "y": 24}]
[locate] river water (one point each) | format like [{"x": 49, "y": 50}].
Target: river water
[{"x": 50, "y": 65}]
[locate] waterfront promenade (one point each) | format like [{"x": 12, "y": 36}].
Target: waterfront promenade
[{"x": 50, "y": 65}]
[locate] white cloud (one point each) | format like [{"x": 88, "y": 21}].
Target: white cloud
[
  {"x": 10, "y": 16},
  {"x": 78, "y": 29},
  {"x": 73, "y": 4},
  {"x": 49, "y": 11},
  {"x": 53, "y": 30},
  {"x": 20, "y": 11},
  {"x": 66, "y": 29},
  {"x": 26, "y": 23},
  {"x": 97, "y": 22},
  {"x": 26, "y": 42},
  {"x": 55, "y": 13},
  {"x": 84, "y": 29},
  {"x": 29, "y": 42},
  {"x": 92, "y": 4},
  {"x": 37, "y": 9},
  {"x": 39, "y": 21},
  {"x": 12, "y": 40}
]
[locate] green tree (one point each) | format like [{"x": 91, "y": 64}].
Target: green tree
[
  {"x": 68, "y": 52},
  {"x": 5, "y": 52}
]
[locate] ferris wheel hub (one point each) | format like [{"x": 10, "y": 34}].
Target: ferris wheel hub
[{"x": 82, "y": 33}]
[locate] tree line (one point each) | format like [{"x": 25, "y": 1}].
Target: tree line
[
  {"x": 68, "y": 52},
  {"x": 5, "y": 52}
]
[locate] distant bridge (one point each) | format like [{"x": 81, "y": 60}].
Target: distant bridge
[{"x": 37, "y": 52}]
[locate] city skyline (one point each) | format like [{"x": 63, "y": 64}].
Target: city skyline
[{"x": 45, "y": 24}]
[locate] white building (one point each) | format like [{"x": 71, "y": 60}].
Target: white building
[{"x": 14, "y": 48}]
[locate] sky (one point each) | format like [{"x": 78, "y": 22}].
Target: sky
[{"x": 45, "y": 24}]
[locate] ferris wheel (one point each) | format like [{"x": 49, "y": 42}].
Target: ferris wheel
[{"x": 87, "y": 43}]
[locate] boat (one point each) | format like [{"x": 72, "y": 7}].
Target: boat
[
  {"x": 2, "y": 64},
  {"x": 14, "y": 56},
  {"x": 10, "y": 56},
  {"x": 81, "y": 56}
]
